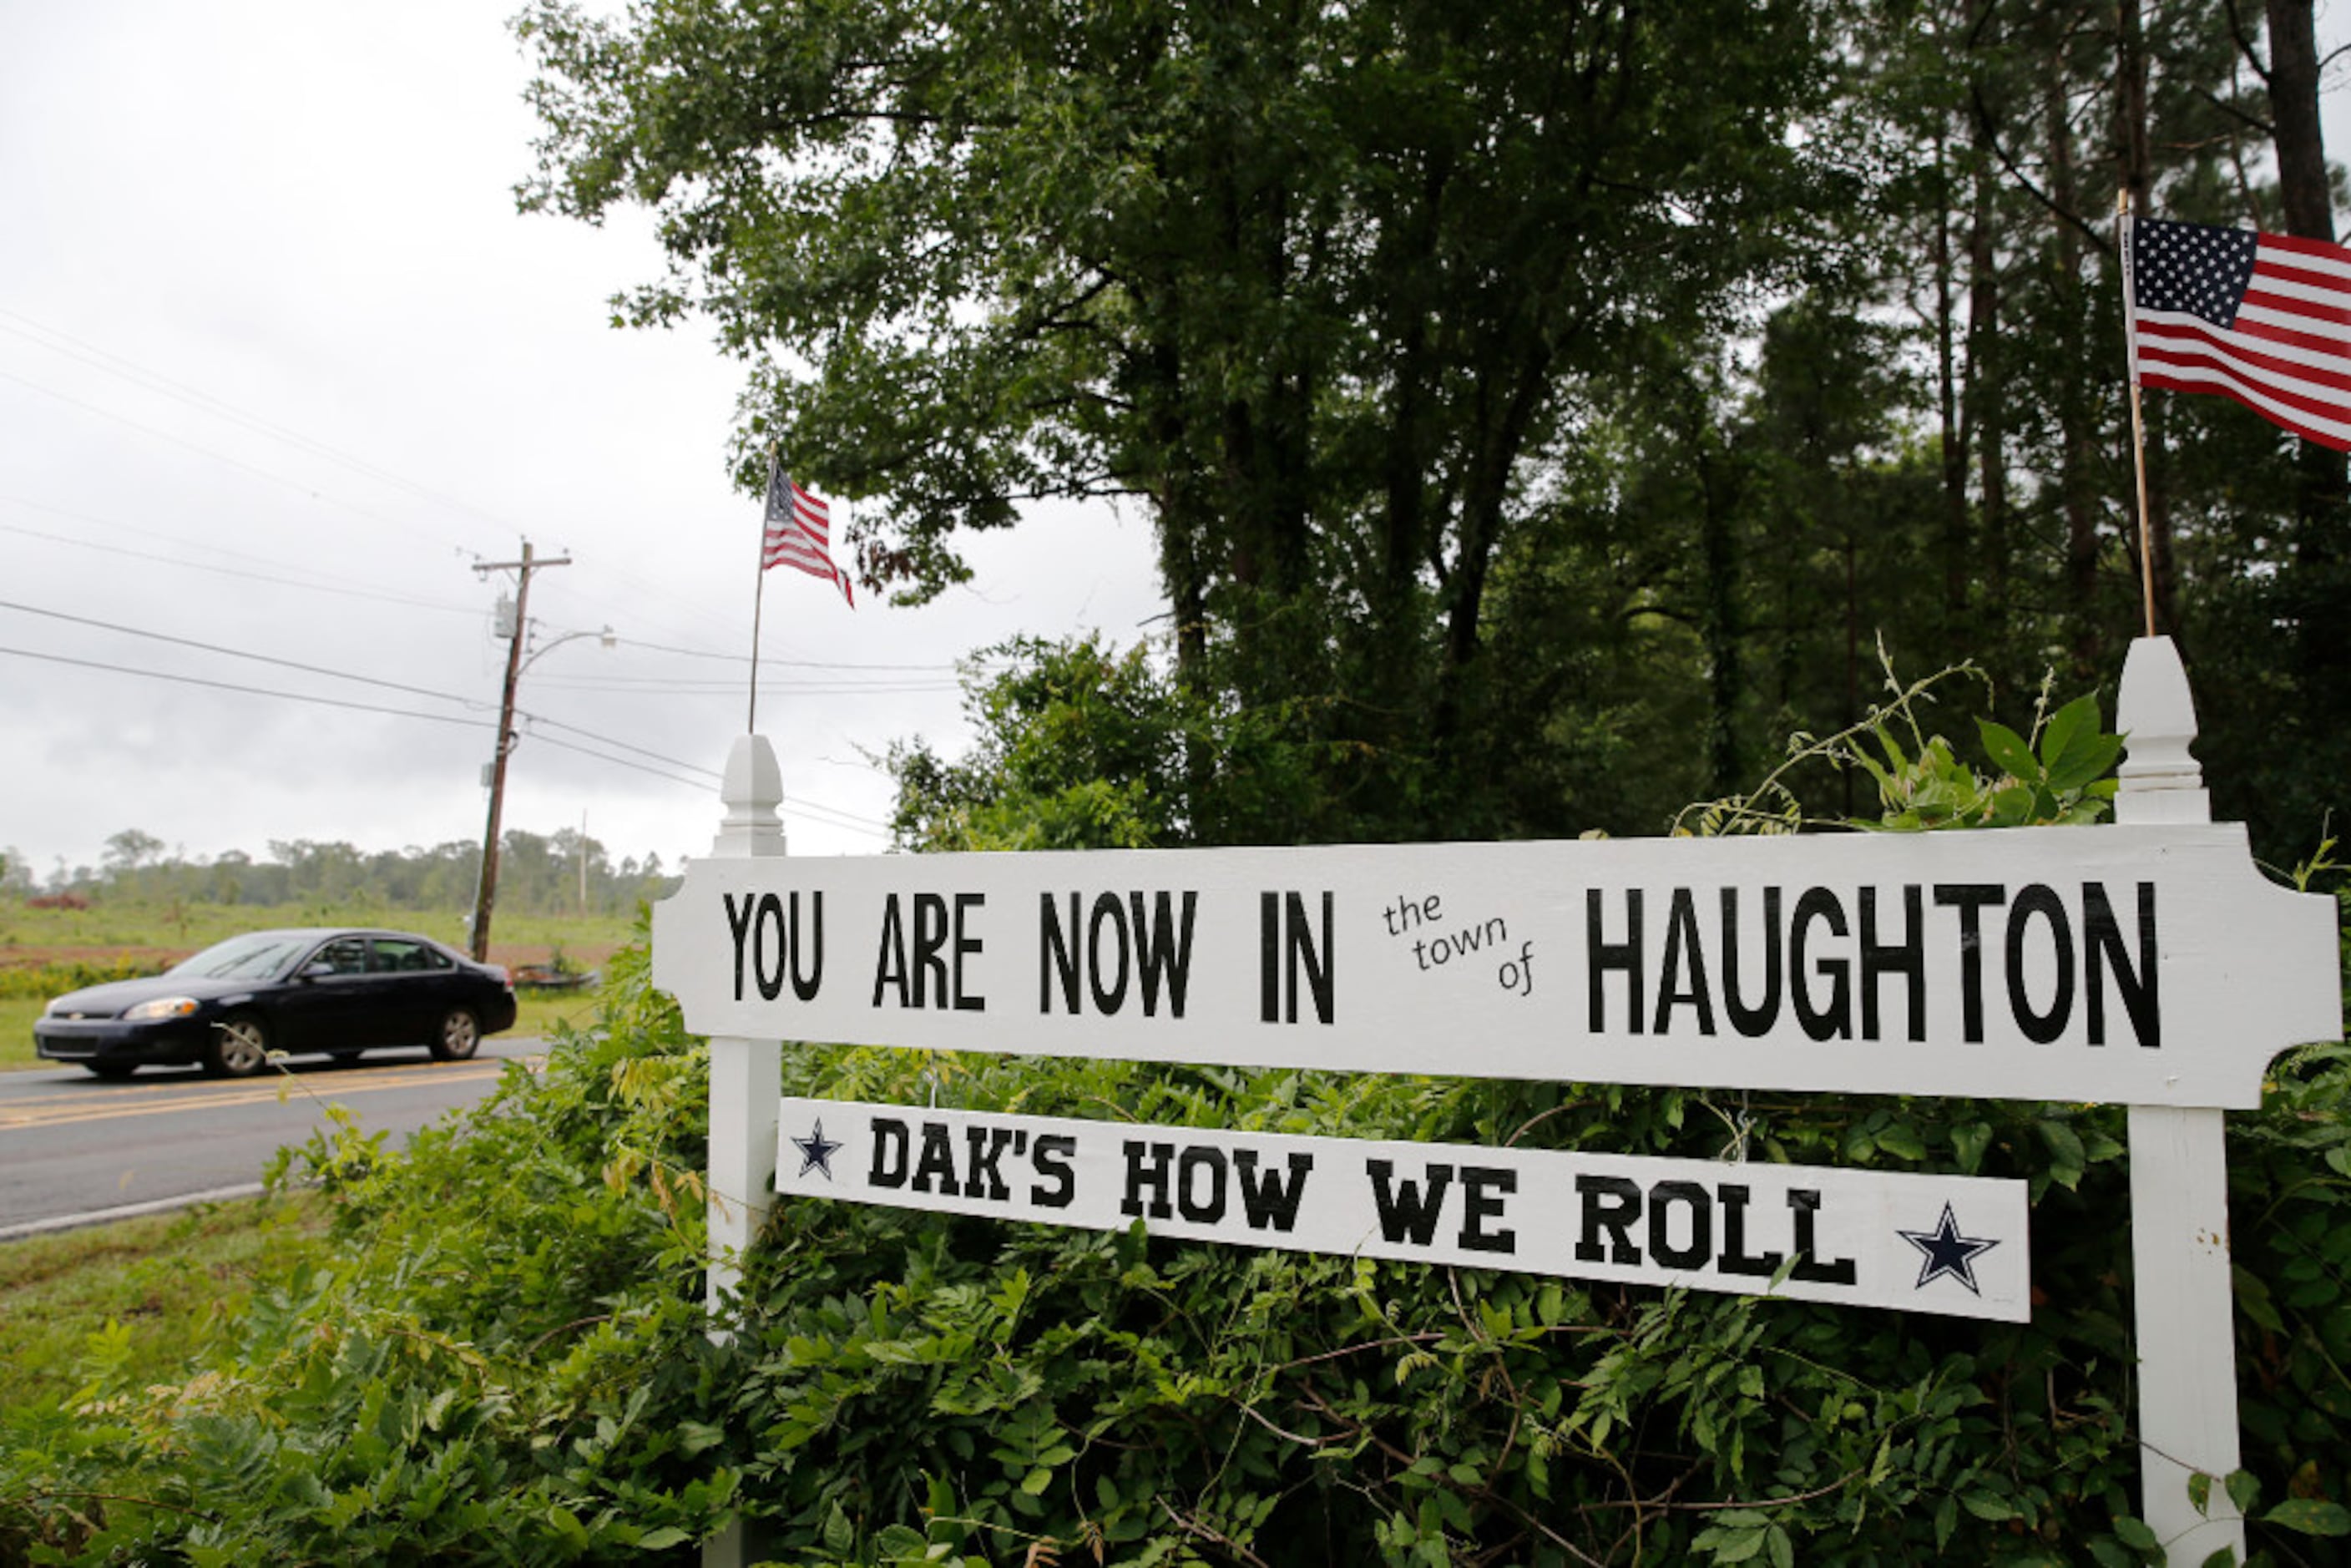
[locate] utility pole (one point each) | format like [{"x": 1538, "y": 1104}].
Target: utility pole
[{"x": 488, "y": 894}]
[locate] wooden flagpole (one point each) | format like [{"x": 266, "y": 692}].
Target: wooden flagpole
[
  {"x": 759, "y": 592},
  {"x": 2138, "y": 419}
]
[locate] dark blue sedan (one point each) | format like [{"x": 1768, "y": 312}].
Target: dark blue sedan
[{"x": 226, "y": 1009}]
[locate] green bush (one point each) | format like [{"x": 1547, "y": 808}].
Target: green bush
[
  {"x": 505, "y": 1361},
  {"x": 925, "y": 1383},
  {"x": 491, "y": 1360},
  {"x": 57, "y": 976}
]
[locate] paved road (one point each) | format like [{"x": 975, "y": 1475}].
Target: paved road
[{"x": 75, "y": 1149}]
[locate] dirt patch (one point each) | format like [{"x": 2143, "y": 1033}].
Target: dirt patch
[
  {"x": 577, "y": 956},
  {"x": 15, "y": 956}
]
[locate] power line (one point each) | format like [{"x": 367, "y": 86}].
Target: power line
[
  {"x": 198, "y": 448},
  {"x": 558, "y": 723},
  {"x": 798, "y": 663},
  {"x": 824, "y": 816},
  {"x": 831, "y": 819},
  {"x": 251, "y": 691},
  {"x": 239, "y": 654},
  {"x": 341, "y": 675},
  {"x": 195, "y": 397},
  {"x": 619, "y": 762},
  {"x": 622, "y": 685},
  {"x": 64, "y": 343},
  {"x": 829, "y": 816},
  {"x": 205, "y": 566},
  {"x": 206, "y": 544},
  {"x": 534, "y": 719}
]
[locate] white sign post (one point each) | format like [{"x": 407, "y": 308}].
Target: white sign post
[
  {"x": 746, "y": 1083},
  {"x": 746, "y": 1070},
  {"x": 2146, "y": 964},
  {"x": 2183, "y": 1299}
]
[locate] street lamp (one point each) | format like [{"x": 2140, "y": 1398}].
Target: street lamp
[{"x": 606, "y": 637}]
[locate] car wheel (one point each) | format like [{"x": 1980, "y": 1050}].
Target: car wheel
[
  {"x": 114, "y": 1071},
  {"x": 459, "y": 1037},
  {"x": 239, "y": 1049}
]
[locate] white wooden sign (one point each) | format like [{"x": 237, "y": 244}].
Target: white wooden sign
[
  {"x": 2145, "y": 963},
  {"x": 2150, "y": 965},
  {"x": 1944, "y": 1244}
]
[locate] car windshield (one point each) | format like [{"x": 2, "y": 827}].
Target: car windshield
[{"x": 254, "y": 957}]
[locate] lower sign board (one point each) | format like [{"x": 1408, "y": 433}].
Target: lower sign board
[{"x": 1954, "y": 1245}]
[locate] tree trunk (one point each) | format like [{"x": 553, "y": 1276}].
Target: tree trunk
[
  {"x": 1985, "y": 394},
  {"x": 2293, "y": 112},
  {"x": 1954, "y": 429},
  {"x": 2314, "y": 575},
  {"x": 1719, "y": 628},
  {"x": 1507, "y": 404},
  {"x": 2077, "y": 474}
]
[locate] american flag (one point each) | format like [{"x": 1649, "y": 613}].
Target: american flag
[
  {"x": 2263, "y": 318},
  {"x": 799, "y": 533}
]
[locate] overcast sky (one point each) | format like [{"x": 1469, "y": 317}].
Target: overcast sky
[{"x": 279, "y": 363}]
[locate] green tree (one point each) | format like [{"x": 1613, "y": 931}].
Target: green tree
[
  {"x": 130, "y": 852},
  {"x": 1325, "y": 287},
  {"x": 1993, "y": 137},
  {"x": 1434, "y": 341},
  {"x": 1079, "y": 747}
]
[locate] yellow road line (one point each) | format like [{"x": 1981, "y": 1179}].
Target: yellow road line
[
  {"x": 22, "y": 1115},
  {"x": 153, "y": 1088},
  {"x": 150, "y": 1088},
  {"x": 183, "y": 1082}
]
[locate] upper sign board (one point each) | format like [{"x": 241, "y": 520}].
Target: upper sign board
[{"x": 2142, "y": 964}]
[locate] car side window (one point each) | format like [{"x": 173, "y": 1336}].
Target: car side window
[
  {"x": 344, "y": 954},
  {"x": 401, "y": 957}
]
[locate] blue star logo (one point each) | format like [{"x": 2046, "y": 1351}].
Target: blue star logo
[
  {"x": 1943, "y": 1250},
  {"x": 816, "y": 1150}
]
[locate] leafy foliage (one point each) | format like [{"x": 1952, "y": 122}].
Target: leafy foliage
[
  {"x": 502, "y": 1357},
  {"x": 57, "y": 976},
  {"x": 1080, "y": 748},
  {"x": 2058, "y": 777},
  {"x": 539, "y": 874},
  {"x": 1517, "y": 391},
  {"x": 1322, "y": 289},
  {"x": 483, "y": 1364},
  {"x": 928, "y": 1382},
  {"x": 1084, "y": 747}
]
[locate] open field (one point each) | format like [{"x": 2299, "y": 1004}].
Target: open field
[
  {"x": 17, "y": 1016},
  {"x": 184, "y": 929},
  {"x": 153, "y": 939},
  {"x": 161, "y": 1279}
]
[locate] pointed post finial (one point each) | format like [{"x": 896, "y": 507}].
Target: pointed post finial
[
  {"x": 2160, "y": 782},
  {"x": 753, "y": 793}
]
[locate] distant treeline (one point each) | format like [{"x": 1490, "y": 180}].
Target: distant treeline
[{"x": 539, "y": 874}]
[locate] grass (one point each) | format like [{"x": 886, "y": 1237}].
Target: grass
[
  {"x": 17, "y": 1016},
  {"x": 29, "y": 936},
  {"x": 184, "y": 927},
  {"x": 165, "y": 1279},
  {"x": 541, "y": 1010}
]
